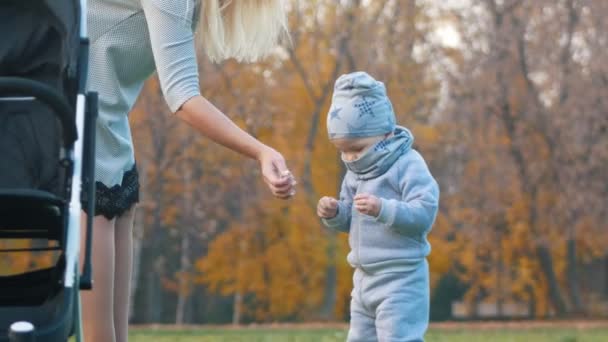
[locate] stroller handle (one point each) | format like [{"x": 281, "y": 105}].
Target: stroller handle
[{"x": 15, "y": 86}]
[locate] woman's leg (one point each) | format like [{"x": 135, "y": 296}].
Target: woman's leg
[
  {"x": 123, "y": 242},
  {"x": 97, "y": 306}
]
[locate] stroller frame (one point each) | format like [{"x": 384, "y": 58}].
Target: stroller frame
[{"x": 77, "y": 155}]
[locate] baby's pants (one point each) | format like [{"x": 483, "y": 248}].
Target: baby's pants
[{"x": 390, "y": 307}]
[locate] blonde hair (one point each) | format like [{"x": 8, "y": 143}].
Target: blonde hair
[{"x": 242, "y": 29}]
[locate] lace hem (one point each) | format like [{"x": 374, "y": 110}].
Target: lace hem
[{"x": 116, "y": 200}]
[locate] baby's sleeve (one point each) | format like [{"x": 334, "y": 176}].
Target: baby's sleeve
[
  {"x": 172, "y": 39},
  {"x": 415, "y": 213}
]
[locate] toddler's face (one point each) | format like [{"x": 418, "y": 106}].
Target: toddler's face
[{"x": 352, "y": 149}]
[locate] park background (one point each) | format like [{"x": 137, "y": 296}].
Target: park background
[{"x": 507, "y": 102}]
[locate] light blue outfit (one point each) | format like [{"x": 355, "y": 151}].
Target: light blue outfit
[{"x": 390, "y": 297}]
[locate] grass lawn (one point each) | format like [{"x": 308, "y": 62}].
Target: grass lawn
[{"x": 453, "y": 333}]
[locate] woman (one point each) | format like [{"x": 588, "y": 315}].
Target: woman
[{"x": 130, "y": 39}]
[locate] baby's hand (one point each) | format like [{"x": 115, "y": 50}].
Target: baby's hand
[
  {"x": 327, "y": 207},
  {"x": 368, "y": 204}
]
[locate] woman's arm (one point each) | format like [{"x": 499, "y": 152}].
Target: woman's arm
[
  {"x": 212, "y": 123},
  {"x": 172, "y": 43},
  {"x": 201, "y": 114}
]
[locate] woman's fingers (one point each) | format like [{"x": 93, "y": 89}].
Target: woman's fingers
[
  {"x": 280, "y": 177},
  {"x": 286, "y": 189},
  {"x": 282, "y": 191},
  {"x": 276, "y": 175},
  {"x": 285, "y": 186}
]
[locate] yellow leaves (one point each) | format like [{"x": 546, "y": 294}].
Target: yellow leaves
[
  {"x": 504, "y": 141},
  {"x": 518, "y": 213},
  {"x": 222, "y": 270},
  {"x": 591, "y": 239},
  {"x": 280, "y": 261},
  {"x": 469, "y": 215},
  {"x": 444, "y": 250},
  {"x": 540, "y": 145},
  {"x": 521, "y": 233},
  {"x": 182, "y": 283},
  {"x": 474, "y": 168},
  {"x": 20, "y": 262},
  {"x": 426, "y": 135}
]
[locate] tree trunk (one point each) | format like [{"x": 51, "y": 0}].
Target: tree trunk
[
  {"x": 237, "y": 311},
  {"x": 331, "y": 277},
  {"x": 183, "y": 292},
  {"x": 499, "y": 277},
  {"x": 542, "y": 252},
  {"x": 154, "y": 262},
  {"x": 237, "y": 308},
  {"x": 546, "y": 263},
  {"x": 531, "y": 302},
  {"x": 183, "y": 285},
  {"x": 572, "y": 278}
]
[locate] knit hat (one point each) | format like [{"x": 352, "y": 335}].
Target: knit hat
[{"x": 360, "y": 108}]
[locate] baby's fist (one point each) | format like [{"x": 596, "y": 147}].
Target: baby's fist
[
  {"x": 368, "y": 204},
  {"x": 327, "y": 207}
]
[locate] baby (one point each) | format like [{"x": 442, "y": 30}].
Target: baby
[{"x": 388, "y": 203}]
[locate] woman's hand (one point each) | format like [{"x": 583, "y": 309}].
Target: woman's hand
[
  {"x": 279, "y": 179},
  {"x": 212, "y": 123}
]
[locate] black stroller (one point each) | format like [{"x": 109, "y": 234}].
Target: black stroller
[{"x": 46, "y": 155}]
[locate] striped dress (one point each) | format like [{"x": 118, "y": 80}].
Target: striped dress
[{"x": 130, "y": 39}]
